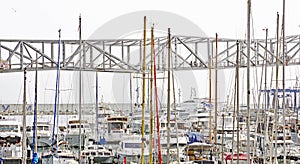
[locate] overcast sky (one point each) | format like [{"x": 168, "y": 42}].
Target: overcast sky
[{"x": 40, "y": 19}]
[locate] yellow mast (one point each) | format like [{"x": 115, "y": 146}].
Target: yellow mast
[{"x": 144, "y": 94}]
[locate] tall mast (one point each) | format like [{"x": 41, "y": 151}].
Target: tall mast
[
  {"x": 156, "y": 108},
  {"x": 34, "y": 138},
  {"x": 151, "y": 97},
  {"x": 58, "y": 87},
  {"x": 24, "y": 139},
  {"x": 210, "y": 112},
  {"x": 175, "y": 111},
  {"x": 248, "y": 80},
  {"x": 144, "y": 93},
  {"x": 56, "y": 95},
  {"x": 283, "y": 79},
  {"x": 80, "y": 81},
  {"x": 276, "y": 94},
  {"x": 169, "y": 100},
  {"x": 97, "y": 97},
  {"x": 266, "y": 59},
  {"x": 130, "y": 87},
  {"x": 265, "y": 88},
  {"x": 216, "y": 91},
  {"x": 222, "y": 142},
  {"x": 237, "y": 99}
]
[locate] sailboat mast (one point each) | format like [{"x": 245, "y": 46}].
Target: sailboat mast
[
  {"x": 283, "y": 79},
  {"x": 58, "y": 87},
  {"x": 144, "y": 94},
  {"x": 56, "y": 94},
  {"x": 151, "y": 97},
  {"x": 265, "y": 93},
  {"x": 216, "y": 92},
  {"x": 34, "y": 136},
  {"x": 237, "y": 100},
  {"x": 175, "y": 111},
  {"x": 210, "y": 112},
  {"x": 130, "y": 87},
  {"x": 80, "y": 81},
  {"x": 97, "y": 97},
  {"x": 156, "y": 107},
  {"x": 169, "y": 100},
  {"x": 24, "y": 139},
  {"x": 35, "y": 108},
  {"x": 222, "y": 142},
  {"x": 276, "y": 93},
  {"x": 266, "y": 69},
  {"x": 248, "y": 80},
  {"x": 234, "y": 100}
]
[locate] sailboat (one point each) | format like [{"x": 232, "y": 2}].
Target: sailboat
[
  {"x": 98, "y": 154},
  {"x": 43, "y": 134},
  {"x": 130, "y": 148},
  {"x": 73, "y": 137},
  {"x": 10, "y": 139},
  {"x": 60, "y": 152},
  {"x": 63, "y": 155}
]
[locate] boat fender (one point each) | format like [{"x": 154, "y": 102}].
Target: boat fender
[{"x": 35, "y": 158}]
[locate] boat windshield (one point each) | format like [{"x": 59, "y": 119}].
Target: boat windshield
[
  {"x": 46, "y": 128},
  {"x": 133, "y": 145},
  {"x": 116, "y": 126},
  {"x": 235, "y": 161},
  {"x": 106, "y": 153},
  {"x": 8, "y": 128}
]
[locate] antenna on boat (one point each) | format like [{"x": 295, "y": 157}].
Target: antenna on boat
[{"x": 179, "y": 96}]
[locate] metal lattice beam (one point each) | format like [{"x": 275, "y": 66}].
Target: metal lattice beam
[{"x": 124, "y": 55}]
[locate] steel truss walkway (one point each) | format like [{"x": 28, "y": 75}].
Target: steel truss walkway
[{"x": 125, "y": 55}]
